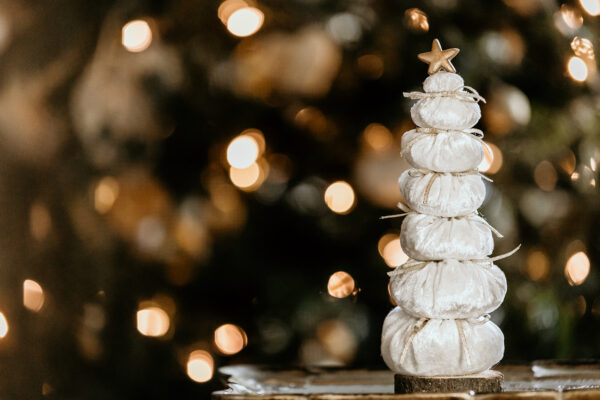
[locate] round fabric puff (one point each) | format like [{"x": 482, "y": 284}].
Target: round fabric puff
[
  {"x": 443, "y": 151},
  {"x": 437, "y": 349},
  {"x": 449, "y": 195},
  {"x": 427, "y": 237},
  {"x": 443, "y": 81},
  {"x": 449, "y": 289},
  {"x": 445, "y": 113}
]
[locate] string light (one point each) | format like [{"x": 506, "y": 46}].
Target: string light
[
  {"x": 592, "y": 7},
  {"x": 245, "y": 21},
  {"x": 152, "y": 321},
  {"x": 340, "y": 197},
  {"x": 577, "y": 68},
  {"x": 340, "y": 284},
  {"x": 242, "y": 151},
  {"x": 571, "y": 17},
  {"x": 577, "y": 268},
  {"x": 40, "y": 221},
  {"x": 538, "y": 265},
  {"x": 200, "y": 366},
  {"x": 245, "y": 178},
  {"x": 377, "y": 136},
  {"x": 230, "y": 339},
  {"x": 136, "y": 36},
  {"x": 33, "y": 295}
]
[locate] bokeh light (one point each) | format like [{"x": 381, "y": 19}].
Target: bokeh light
[
  {"x": 416, "y": 20},
  {"x": 492, "y": 160},
  {"x": 105, "y": 194},
  {"x": 577, "y": 268},
  {"x": 40, "y": 221},
  {"x": 33, "y": 295},
  {"x": 338, "y": 339},
  {"x": 571, "y": 17},
  {"x": 583, "y": 48},
  {"x": 230, "y": 339},
  {"x": 3, "y": 326},
  {"x": 370, "y": 66},
  {"x": 200, "y": 366},
  {"x": 545, "y": 176},
  {"x": 592, "y": 7},
  {"x": 340, "y": 284},
  {"x": 340, "y": 197},
  {"x": 153, "y": 321},
  {"x": 577, "y": 68},
  {"x": 537, "y": 265},
  {"x": 377, "y": 136},
  {"x": 136, "y": 35},
  {"x": 245, "y": 178},
  {"x": 243, "y": 151},
  {"x": 391, "y": 251},
  {"x": 245, "y": 21}
]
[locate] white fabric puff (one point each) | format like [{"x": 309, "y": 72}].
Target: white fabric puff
[
  {"x": 449, "y": 289},
  {"x": 448, "y": 196},
  {"x": 443, "y": 151},
  {"x": 445, "y": 113},
  {"x": 442, "y": 81},
  {"x": 427, "y": 237},
  {"x": 437, "y": 348}
]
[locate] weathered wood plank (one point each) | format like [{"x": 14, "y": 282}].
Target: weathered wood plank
[{"x": 485, "y": 382}]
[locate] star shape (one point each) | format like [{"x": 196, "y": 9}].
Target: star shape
[{"x": 438, "y": 58}]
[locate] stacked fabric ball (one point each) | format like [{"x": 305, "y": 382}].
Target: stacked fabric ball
[{"x": 441, "y": 326}]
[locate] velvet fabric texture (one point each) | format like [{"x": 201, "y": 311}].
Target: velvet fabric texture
[
  {"x": 427, "y": 237},
  {"x": 441, "y": 194},
  {"x": 443, "y": 151},
  {"x": 449, "y": 289},
  {"x": 437, "y": 349}
]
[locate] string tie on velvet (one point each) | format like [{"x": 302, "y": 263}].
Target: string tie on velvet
[
  {"x": 473, "y": 133},
  {"x": 420, "y": 324},
  {"x": 464, "y": 93},
  {"x": 417, "y": 173}
]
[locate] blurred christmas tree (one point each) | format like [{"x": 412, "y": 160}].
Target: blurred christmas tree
[{"x": 187, "y": 184}]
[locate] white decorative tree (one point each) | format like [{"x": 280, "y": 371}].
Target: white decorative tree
[{"x": 445, "y": 291}]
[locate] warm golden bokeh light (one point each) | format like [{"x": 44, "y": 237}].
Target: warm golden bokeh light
[
  {"x": 577, "y": 268},
  {"x": 136, "y": 35},
  {"x": 338, "y": 339},
  {"x": 245, "y": 21},
  {"x": 105, "y": 194},
  {"x": 340, "y": 197},
  {"x": 492, "y": 160},
  {"x": 245, "y": 178},
  {"x": 3, "y": 326},
  {"x": 537, "y": 265},
  {"x": 33, "y": 295},
  {"x": 583, "y": 48},
  {"x": 568, "y": 162},
  {"x": 416, "y": 20},
  {"x": 200, "y": 366},
  {"x": 545, "y": 176},
  {"x": 391, "y": 251},
  {"x": 592, "y": 7},
  {"x": 230, "y": 339},
  {"x": 153, "y": 321},
  {"x": 377, "y": 136},
  {"x": 243, "y": 151},
  {"x": 577, "y": 68},
  {"x": 370, "y": 66},
  {"x": 340, "y": 284},
  {"x": 571, "y": 17}
]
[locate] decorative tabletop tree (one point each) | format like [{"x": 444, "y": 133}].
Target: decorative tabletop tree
[{"x": 440, "y": 331}]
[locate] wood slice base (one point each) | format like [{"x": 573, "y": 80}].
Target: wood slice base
[{"x": 485, "y": 382}]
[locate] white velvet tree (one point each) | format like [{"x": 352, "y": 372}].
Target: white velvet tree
[{"x": 445, "y": 291}]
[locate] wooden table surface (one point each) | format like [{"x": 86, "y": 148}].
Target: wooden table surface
[{"x": 544, "y": 380}]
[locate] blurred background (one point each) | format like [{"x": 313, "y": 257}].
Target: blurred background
[{"x": 189, "y": 184}]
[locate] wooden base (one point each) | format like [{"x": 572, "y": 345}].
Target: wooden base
[{"x": 486, "y": 382}]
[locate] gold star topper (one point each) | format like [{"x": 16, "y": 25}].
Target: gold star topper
[{"x": 438, "y": 58}]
